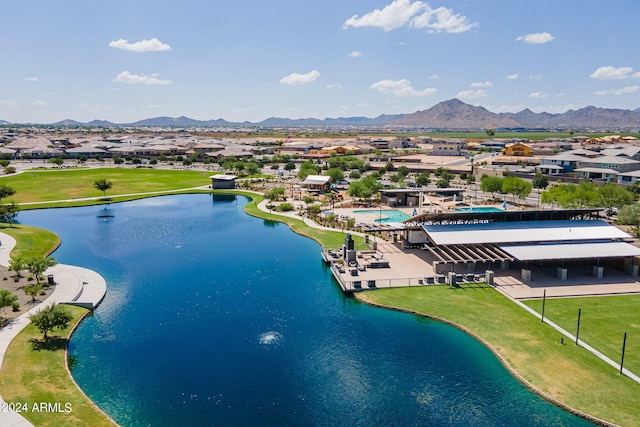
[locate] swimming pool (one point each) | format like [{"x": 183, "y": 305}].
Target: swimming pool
[
  {"x": 385, "y": 215},
  {"x": 480, "y": 209}
]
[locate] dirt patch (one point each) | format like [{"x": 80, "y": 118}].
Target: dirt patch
[{"x": 9, "y": 283}]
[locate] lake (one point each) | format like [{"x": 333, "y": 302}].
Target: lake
[{"x": 213, "y": 317}]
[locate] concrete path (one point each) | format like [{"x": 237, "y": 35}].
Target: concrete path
[
  {"x": 601, "y": 290},
  {"x": 74, "y": 285}
]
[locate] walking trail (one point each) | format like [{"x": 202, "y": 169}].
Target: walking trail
[{"x": 74, "y": 285}]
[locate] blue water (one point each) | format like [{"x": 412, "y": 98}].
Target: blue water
[
  {"x": 213, "y": 317},
  {"x": 386, "y": 215}
]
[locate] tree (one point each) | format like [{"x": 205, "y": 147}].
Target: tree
[
  {"x": 490, "y": 132},
  {"x": 9, "y": 212},
  {"x": 103, "y": 185},
  {"x": 274, "y": 194},
  {"x": 611, "y": 195},
  {"x": 307, "y": 168},
  {"x": 491, "y": 184},
  {"x": 252, "y": 168},
  {"x": 7, "y": 299},
  {"x": 57, "y": 161},
  {"x": 516, "y": 187},
  {"x": 6, "y": 191},
  {"x": 540, "y": 181},
  {"x": 403, "y": 171},
  {"x": 423, "y": 179},
  {"x": 308, "y": 200},
  {"x": 51, "y": 317},
  {"x": 630, "y": 215},
  {"x": 336, "y": 174},
  {"x": 364, "y": 188},
  {"x": 17, "y": 265},
  {"x": 33, "y": 290},
  {"x": 289, "y": 166},
  {"x": 37, "y": 265}
]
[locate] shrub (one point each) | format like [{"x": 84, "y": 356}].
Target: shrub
[
  {"x": 15, "y": 306},
  {"x": 284, "y": 207}
]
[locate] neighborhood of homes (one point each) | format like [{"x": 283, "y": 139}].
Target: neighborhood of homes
[{"x": 607, "y": 159}]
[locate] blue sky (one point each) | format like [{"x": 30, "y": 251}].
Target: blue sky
[{"x": 127, "y": 60}]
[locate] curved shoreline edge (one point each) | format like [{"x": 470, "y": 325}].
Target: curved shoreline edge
[
  {"x": 68, "y": 291},
  {"x": 362, "y": 298},
  {"x": 286, "y": 220},
  {"x": 66, "y": 367}
]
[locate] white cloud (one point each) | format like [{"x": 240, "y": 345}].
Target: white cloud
[
  {"x": 152, "y": 45},
  {"x": 394, "y": 15},
  {"x": 513, "y": 76},
  {"x": 355, "y": 54},
  {"x": 39, "y": 103},
  {"x": 435, "y": 77},
  {"x": 141, "y": 79},
  {"x": 401, "y": 88},
  {"x": 333, "y": 86},
  {"x": 535, "y": 38},
  {"x": 442, "y": 19},
  {"x": 31, "y": 79},
  {"x": 613, "y": 73},
  {"x": 93, "y": 108},
  {"x": 295, "y": 79},
  {"x": 153, "y": 106},
  {"x": 470, "y": 94},
  {"x": 482, "y": 84},
  {"x": 535, "y": 77},
  {"x": 623, "y": 91},
  {"x": 415, "y": 14},
  {"x": 537, "y": 95}
]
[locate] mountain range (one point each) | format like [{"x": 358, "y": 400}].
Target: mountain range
[{"x": 452, "y": 114}]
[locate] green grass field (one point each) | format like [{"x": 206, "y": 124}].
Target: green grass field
[
  {"x": 603, "y": 322},
  {"x": 33, "y": 371},
  {"x": 564, "y": 371},
  {"x": 31, "y": 241},
  {"x": 68, "y": 184}
]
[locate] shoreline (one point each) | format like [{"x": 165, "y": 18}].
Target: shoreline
[
  {"x": 65, "y": 292},
  {"x": 287, "y": 219},
  {"x": 361, "y": 296}
]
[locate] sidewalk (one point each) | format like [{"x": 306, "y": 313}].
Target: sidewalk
[{"x": 74, "y": 285}]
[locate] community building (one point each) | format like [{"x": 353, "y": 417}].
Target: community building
[{"x": 553, "y": 239}]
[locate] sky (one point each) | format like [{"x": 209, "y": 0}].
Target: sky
[{"x": 249, "y": 60}]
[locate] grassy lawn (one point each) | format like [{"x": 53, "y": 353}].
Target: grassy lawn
[
  {"x": 564, "y": 371},
  {"x": 33, "y": 371},
  {"x": 603, "y": 322},
  {"x": 326, "y": 238},
  {"x": 31, "y": 241},
  {"x": 64, "y": 184}
]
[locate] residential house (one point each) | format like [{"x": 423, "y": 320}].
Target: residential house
[{"x": 517, "y": 149}]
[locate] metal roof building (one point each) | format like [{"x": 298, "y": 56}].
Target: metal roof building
[{"x": 521, "y": 236}]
